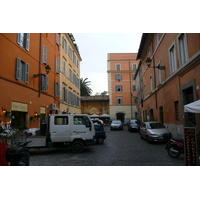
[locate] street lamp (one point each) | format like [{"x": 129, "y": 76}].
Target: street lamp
[
  {"x": 47, "y": 68},
  {"x": 148, "y": 62}
]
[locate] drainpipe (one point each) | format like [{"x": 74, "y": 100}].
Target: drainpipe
[
  {"x": 40, "y": 64},
  {"x": 130, "y": 89}
]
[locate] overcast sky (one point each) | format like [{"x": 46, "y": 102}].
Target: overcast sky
[{"x": 94, "y": 48}]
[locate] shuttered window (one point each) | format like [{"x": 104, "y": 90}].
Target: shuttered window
[
  {"x": 22, "y": 72},
  {"x": 57, "y": 65},
  {"x": 45, "y": 54},
  {"x": 57, "y": 89},
  {"x": 45, "y": 82},
  {"x": 23, "y": 39}
]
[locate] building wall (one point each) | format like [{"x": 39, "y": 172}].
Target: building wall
[
  {"x": 175, "y": 86},
  {"x": 27, "y": 99},
  {"x": 126, "y": 61},
  {"x": 66, "y": 105},
  {"x": 95, "y": 105}
]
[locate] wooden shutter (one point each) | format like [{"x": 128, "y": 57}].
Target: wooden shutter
[
  {"x": 26, "y": 72},
  {"x": 45, "y": 54},
  {"x": 27, "y": 41},
  {"x": 18, "y": 69}
]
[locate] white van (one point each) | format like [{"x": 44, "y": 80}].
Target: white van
[{"x": 71, "y": 130}]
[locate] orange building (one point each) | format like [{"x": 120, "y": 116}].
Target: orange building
[
  {"x": 28, "y": 92},
  {"x": 121, "y": 85},
  {"x": 169, "y": 80}
]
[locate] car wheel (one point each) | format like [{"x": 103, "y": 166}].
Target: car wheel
[
  {"x": 77, "y": 147},
  {"x": 100, "y": 140},
  {"x": 148, "y": 140}
]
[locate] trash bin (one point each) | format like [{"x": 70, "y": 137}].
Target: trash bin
[{"x": 43, "y": 128}]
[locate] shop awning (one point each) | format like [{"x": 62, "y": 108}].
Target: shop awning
[{"x": 193, "y": 107}]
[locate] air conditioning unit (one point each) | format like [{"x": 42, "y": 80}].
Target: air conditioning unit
[{"x": 53, "y": 106}]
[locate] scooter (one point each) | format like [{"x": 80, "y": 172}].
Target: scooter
[
  {"x": 18, "y": 156},
  {"x": 175, "y": 147}
]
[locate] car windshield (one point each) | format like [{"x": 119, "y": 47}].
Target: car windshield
[
  {"x": 155, "y": 126},
  {"x": 133, "y": 121},
  {"x": 116, "y": 122}
]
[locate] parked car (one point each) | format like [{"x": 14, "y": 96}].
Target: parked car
[
  {"x": 100, "y": 134},
  {"x": 133, "y": 125},
  {"x": 116, "y": 125},
  {"x": 154, "y": 131}
]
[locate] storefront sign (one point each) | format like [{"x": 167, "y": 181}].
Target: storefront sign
[
  {"x": 190, "y": 147},
  {"x": 22, "y": 107},
  {"x": 42, "y": 110}
]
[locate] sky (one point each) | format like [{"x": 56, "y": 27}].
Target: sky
[{"x": 94, "y": 48}]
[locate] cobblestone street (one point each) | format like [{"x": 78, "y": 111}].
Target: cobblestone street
[{"x": 121, "y": 148}]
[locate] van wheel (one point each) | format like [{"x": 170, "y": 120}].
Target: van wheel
[{"x": 77, "y": 147}]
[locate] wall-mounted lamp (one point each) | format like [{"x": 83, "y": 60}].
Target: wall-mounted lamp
[
  {"x": 3, "y": 110},
  {"x": 47, "y": 68},
  {"x": 36, "y": 114},
  {"x": 148, "y": 62}
]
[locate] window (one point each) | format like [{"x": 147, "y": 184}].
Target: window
[
  {"x": 70, "y": 75},
  {"x": 118, "y": 88},
  {"x": 82, "y": 120},
  {"x": 182, "y": 48},
  {"x": 22, "y": 72},
  {"x": 65, "y": 94},
  {"x": 57, "y": 65},
  {"x": 134, "y": 67},
  {"x": 57, "y": 38},
  {"x": 74, "y": 59},
  {"x": 118, "y": 67},
  {"x": 172, "y": 59},
  {"x": 57, "y": 89},
  {"x": 134, "y": 88},
  {"x": 118, "y": 77},
  {"x": 156, "y": 39},
  {"x": 70, "y": 53},
  {"x": 133, "y": 76},
  {"x": 65, "y": 44},
  {"x": 45, "y": 54},
  {"x": 177, "y": 111},
  {"x": 61, "y": 120},
  {"x": 64, "y": 67},
  {"x": 159, "y": 76},
  {"x": 144, "y": 91},
  {"x": 119, "y": 101},
  {"x": 23, "y": 39},
  {"x": 151, "y": 83},
  {"x": 45, "y": 82},
  {"x": 70, "y": 98}
]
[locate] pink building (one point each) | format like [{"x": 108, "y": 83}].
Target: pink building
[{"x": 121, "y": 85}]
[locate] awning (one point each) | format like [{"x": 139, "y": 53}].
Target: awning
[{"x": 193, "y": 107}]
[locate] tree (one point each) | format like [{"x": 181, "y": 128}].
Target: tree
[
  {"x": 104, "y": 93},
  {"x": 84, "y": 87}
]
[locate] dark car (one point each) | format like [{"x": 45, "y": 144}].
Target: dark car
[
  {"x": 154, "y": 131},
  {"x": 116, "y": 125},
  {"x": 100, "y": 134},
  {"x": 133, "y": 125}
]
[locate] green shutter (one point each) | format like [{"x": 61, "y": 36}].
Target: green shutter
[
  {"x": 18, "y": 68},
  {"x": 26, "y": 72}
]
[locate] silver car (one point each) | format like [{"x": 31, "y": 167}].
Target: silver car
[
  {"x": 116, "y": 125},
  {"x": 154, "y": 131}
]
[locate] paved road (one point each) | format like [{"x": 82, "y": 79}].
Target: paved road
[{"x": 121, "y": 148}]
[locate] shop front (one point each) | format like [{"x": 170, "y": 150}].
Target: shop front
[{"x": 19, "y": 115}]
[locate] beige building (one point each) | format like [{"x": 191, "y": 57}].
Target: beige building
[{"x": 69, "y": 75}]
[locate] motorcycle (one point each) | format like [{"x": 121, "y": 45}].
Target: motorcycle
[
  {"x": 18, "y": 156},
  {"x": 175, "y": 147}
]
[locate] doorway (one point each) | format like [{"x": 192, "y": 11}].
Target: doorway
[
  {"x": 120, "y": 116},
  {"x": 18, "y": 119}
]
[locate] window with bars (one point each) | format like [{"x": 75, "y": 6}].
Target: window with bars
[
  {"x": 119, "y": 101},
  {"x": 177, "y": 110}
]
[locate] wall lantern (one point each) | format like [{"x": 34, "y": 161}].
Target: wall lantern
[
  {"x": 148, "y": 62},
  {"x": 3, "y": 110},
  {"x": 47, "y": 68}
]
